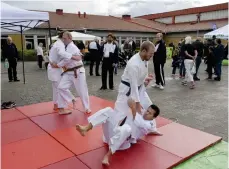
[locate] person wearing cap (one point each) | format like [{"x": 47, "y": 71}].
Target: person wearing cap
[
  {"x": 110, "y": 58},
  {"x": 94, "y": 49}
]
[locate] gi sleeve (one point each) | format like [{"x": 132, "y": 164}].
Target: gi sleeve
[
  {"x": 153, "y": 126},
  {"x": 133, "y": 73},
  {"x": 144, "y": 98},
  {"x": 63, "y": 62},
  {"x": 145, "y": 126}
]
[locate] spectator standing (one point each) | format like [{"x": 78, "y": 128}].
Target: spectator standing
[
  {"x": 219, "y": 55},
  {"x": 110, "y": 58},
  {"x": 189, "y": 60},
  {"x": 40, "y": 55},
  {"x": 10, "y": 53},
  {"x": 159, "y": 61},
  {"x": 94, "y": 49},
  {"x": 199, "y": 46}
]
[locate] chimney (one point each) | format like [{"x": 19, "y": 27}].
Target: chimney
[
  {"x": 84, "y": 14},
  {"x": 126, "y": 17},
  {"x": 79, "y": 14},
  {"x": 59, "y": 11}
]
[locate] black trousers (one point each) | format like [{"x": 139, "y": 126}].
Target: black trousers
[
  {"x": 159, "y": 73},
  {"x": 107, "y": 67},
  {"x": 97, "y": 62},
  {"x": 209, "y": 69},
  {"x": 12, "y": 70},
  {"x": 40, "y": 59}
]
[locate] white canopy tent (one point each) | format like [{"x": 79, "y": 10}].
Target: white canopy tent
[
  {"x": 14, "y": 19},
  {"x": 80, "y": 36},
  {"x": 221, "y": 33}
]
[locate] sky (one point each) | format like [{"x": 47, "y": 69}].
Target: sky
[{"x": 113, "y": 7}]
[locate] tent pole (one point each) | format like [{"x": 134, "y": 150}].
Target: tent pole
[
  {"x": 22, "y": 53},
  {"x": 50, "y": 33}
]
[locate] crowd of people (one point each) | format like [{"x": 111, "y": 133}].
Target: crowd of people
[{"x": 189, "y": 55}]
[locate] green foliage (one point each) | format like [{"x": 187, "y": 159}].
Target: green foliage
[{"x": 29, "y": 55}]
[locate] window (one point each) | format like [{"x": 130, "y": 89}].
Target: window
[
  {"x": 29, "y": 42},
  {"x": 43, "y": 41},
  {"x": 137, "y": 43},
  {"x": 144, "y": 39},
  {"x": 151, "y": 39}
]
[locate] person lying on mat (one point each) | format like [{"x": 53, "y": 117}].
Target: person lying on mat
[{"x": 120, "y": 136}]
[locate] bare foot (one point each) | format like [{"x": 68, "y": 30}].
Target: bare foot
[
  {"x": 55, "y": 107},
  {"x": 81, "y": 129},
  {"x": 106, "y": 160},
  {"x": 88, "y": 111},
  {"x": 62, "y": 111}
]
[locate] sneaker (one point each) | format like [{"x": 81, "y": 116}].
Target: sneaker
[
  {"x": 161, "y": 87},
  {"x": 156, "y": 85},
  {"x": 196, "y": 79},
  {"x": 173, "y": 75},
  {"x": 184, "y": 83}
]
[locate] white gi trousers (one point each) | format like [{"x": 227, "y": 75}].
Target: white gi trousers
[
  {"x": 188, "y": 63},
  {"x": 114, "y": 135},
  {"x": 68, "y": 79}
]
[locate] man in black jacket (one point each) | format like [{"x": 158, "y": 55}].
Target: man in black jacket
[
  {"x": 159, "y": 60},
  {"x": 110, "y": 58},
  {"x": 200, "y": 49},
  {"x": 219, "y": 55},
  {"x": 11, "y": 54}
]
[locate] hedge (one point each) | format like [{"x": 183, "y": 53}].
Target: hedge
[{"x": 29, "y": 55}]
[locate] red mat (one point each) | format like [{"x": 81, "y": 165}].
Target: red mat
[
  {"x": 52, "y": 122},
  {"x": 33, "y": 153},
  {"x": 71, "y": 163},
  {"x": 78, "y": 144},
  {"x": 139, "y": 156},
  {"x": 37, "y": 109},
  {"x": 96, "y": 104},
  {"x": 160, "y": 121},
  {"x": 11, "y": 115},
  {"x": 26, "y": 146},
  {"x": 181, "y": 140},
  {"x": 19, "y": 130}
]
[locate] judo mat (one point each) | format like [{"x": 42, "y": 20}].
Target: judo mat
[{"x": 36, "y": 137}]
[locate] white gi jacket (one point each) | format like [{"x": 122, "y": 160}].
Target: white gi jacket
[
  {"x": 135, "y": 73},
  {"x": 69, "y": 63},
  {"x": 56, "y": 54}
]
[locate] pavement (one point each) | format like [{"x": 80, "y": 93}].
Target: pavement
[{"x": 204, "y": 108}]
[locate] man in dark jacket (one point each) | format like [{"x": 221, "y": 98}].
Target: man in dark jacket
[
  {"x": 159, "y": 60},
  {"x": 200, "y": 49},
  {"x": 11, "y": 54},
  {"x": 110, "y": 58},
  {"x": 219, "y": 55}
]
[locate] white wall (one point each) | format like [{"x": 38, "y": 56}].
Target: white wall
[
  {"x": 186, "y": 18},
  {"x": 214, "y": 15},
  {"x": 167, "y": 20}
]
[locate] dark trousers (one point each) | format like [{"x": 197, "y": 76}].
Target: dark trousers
[
  {"x": 46, "y": 65},
  {"x": 40, "y": 59},
  {"x": 218, "y": 67},
  {"x": 182, "y": 69},
  {"x": 107, "y": 67},
  {"x": 209, "y": 69},
  {"x": 198, "y": 62},
  {"x": 12, "y": 70},
  {"x": 159, "y": 73},
  {"x": 97, "y": 62},
  {"x": 174, "y": 70}
]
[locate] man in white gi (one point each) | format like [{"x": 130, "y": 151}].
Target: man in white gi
[
  {"x": 73, "y": 75},
  {"x": 57, "y": 53},
  {"x": 119, "y": 135},
  {"x": 133, "y": 78}
]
